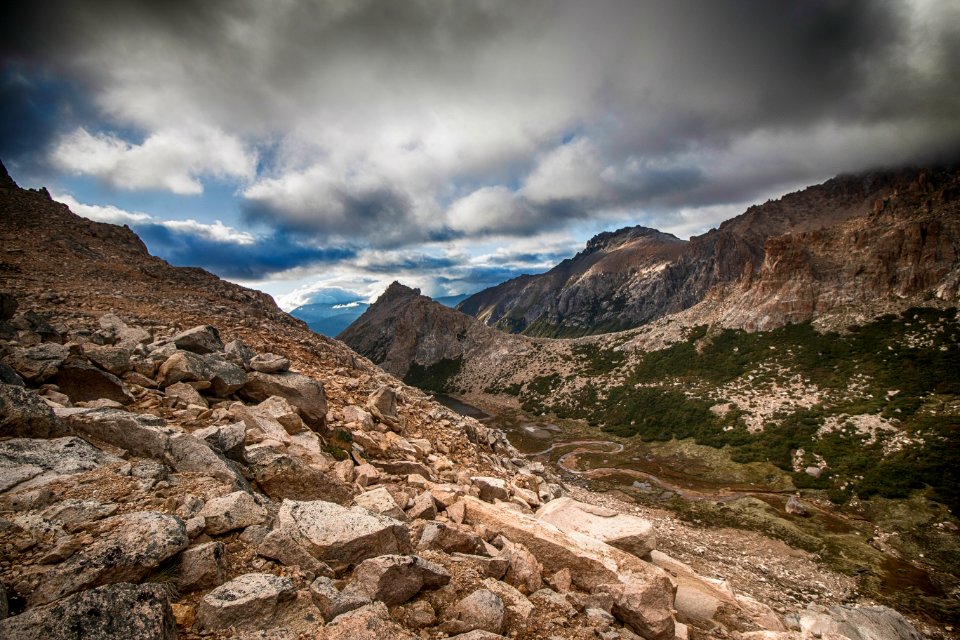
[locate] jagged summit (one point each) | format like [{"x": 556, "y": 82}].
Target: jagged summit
[
  {"x": 397, "y": 291},
  {"x": 6, "y": 182}
]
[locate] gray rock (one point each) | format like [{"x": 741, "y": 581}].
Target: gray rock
[
  {"x": 856, "y": 623},
  {"x": 147, "y": 436},
  {"x": 640, "y": 607},
  {"x": 424, "y": 507},
  {"x": 234, "y": 511},
  {"x": 83, "y": 382},
  {"x": 491, "y": 488},
  {"x": 24, "y": 414},
  {"x": 306, "y": 394},
  {"x": 238, "y": 353},
  {"x": 38, "y": 363},
  {"x": 481, "y": 610},
  {"x": 129, "y": 548},
  {"x": 269, "y": 363},
  {"x": 226, "y": 439},
  {"x": 451, "y": 538},
  {"x": 381, "y": 502},
  {"x": 202, "y": 567},
  {"x": 394, "y": 579},
  {"x": 477, "y": 634},
  {"x": 627, "y": 532},
  {"x": 370, "y": 622},
  {"x": 383, "y": 403},
  {"x": 795, "y": 507},
  {"x": 128, "y": 611},
  {"x": 126, "y": 335},
  {"x": 9, "y": 376},
  {"x": 523, "y": 570},
  {"x": 30, "y": 461},
  {"x": 183, "y": 366},
  {"x": 284, "y": 477},
  {"x": 331, "y": 601},
  {"x": 116, "y": 360},
  {"x": 339, "y": 536},
  {"x": 251, "y": 599},
  {"x": 202, "y": 339},
  {"x": 279, "y": 545},
  {"x": 225, "y": 376},
  {"x": 183, "y": 394}
]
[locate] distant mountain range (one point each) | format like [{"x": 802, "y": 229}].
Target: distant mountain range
[{"x": 330, "y": 319}]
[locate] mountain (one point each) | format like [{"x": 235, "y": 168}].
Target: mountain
[
  {"x": 635, "y": 275},
  {"x": 330, "y": 319},
  {"x": 404, "y": 330}
]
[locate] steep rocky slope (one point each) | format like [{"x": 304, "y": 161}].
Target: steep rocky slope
[
  {"x": 180, "y": 458},
  {"x": 636, "y": 275}
]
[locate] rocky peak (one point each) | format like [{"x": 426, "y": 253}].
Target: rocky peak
[
  {"x": 611, "y": 240},
  {"x": 397, "y": 291},
  {"x": 6, "y": 182}
]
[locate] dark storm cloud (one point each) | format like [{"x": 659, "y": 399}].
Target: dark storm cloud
[
  {"x": 245, "y": 261},
  {"x": 368, "y": 112}
]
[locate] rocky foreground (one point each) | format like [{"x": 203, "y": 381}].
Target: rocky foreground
[{"x": 180, "y": 459}]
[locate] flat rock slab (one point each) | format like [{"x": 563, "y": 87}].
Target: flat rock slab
[
  {"x": 27, "y": 462},
  {"x": 250, "y": 599},
  {"x": 128, "y": 549},
  {"x": 342, "y": 536},
  {"x": 306, "y": 394},
  {"x": 623, "y": 531},
  {"x": 128, "y": 611}
]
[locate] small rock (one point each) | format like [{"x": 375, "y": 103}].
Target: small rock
[
  {"x": 370, "y": 622},
  {"x": 202, "y": 339},
  {"x": 796, "y": 508},
  {"x": 481, "y": 610},
  {"x": 491, "y": 488},
  {"x": 269, "y": 363},
  {"x": 424, "y": 508},
  {"x": 24, "y": 414},
  {"x": 381, "y": 502},
  {"x": 279, "y": 545}
]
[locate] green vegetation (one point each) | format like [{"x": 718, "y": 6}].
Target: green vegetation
[
  {"x": 437, "y": 377},
  {"x": 893, "y": 367}
]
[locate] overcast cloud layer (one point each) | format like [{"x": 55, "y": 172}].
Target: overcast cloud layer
[{"x": 456, "y": 143}]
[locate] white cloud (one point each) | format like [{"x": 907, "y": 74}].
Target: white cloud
[
  {"x": 169, "y": 159},
  {"x": 216, "y": 231}
]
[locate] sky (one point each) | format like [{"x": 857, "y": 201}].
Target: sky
[{"x": 320, "y": 150}]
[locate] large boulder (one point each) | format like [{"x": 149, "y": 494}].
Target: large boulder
[
  {"x": 38, "y": 363},
  {"x": 128, "y": 611},
  {"x": 306, "y": 394},
  {"x": 111, "y": 358},
  {"x": 225, "y": 377},
  {"x": 255, "y": 599},
  {"x": 394, "y": 579},
  {"x": 146, "y": 436},
  {"x": 202, "y": 339},
  {"x": 128, "y": 548},
  {"x": 856, "y": 623},
  {"x": 24, "y": 414},
  {"x": 629, "y": 533},
  {"x": 279, "y": 545},
  {"x": 591, "y": 563},
  {"x": 370, "y": 622},
  {"x": 81, "y": 382},
  {"x": 183, "y": 366},
  {"x": 237, "y": 510},
  {"x": 481, "y": 610},
  {"x": 33, "y": 462},
  {"x": 340, "y": 536},
  {"x": 202, "y": 567},
  {"x": 226, "y": 439},
  {"x": 284, "y": 477}
]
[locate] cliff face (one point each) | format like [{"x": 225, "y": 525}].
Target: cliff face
[
  {"x": 904, "y": 250},
  {"x": 633, "y": 276}
]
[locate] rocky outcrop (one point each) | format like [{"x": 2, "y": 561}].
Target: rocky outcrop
[{"x": 792, "y": 254}]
